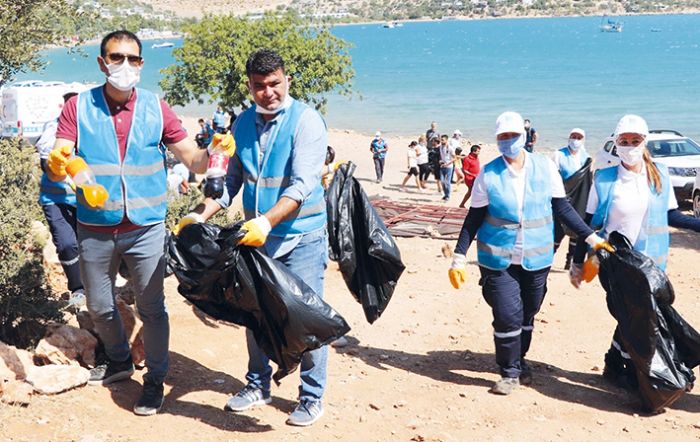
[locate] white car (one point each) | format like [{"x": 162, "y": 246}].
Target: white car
[
  {"x": 681, "y": 155},
  {"x": 696, "y": 196}
]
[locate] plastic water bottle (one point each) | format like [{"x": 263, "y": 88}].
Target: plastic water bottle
[
  {"x": 95, "y": 194},
  {"x": 590, "y": 268},
  {"x": 216, "y": 169}
]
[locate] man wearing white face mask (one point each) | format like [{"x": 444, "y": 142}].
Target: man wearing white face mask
[
  {"x": 120, "y": 132},
  {"x": 513, "y": 201},
  {"x": 569, "y": 160},
  {"x": 281, "y": 149},
  {"x": 635, "y": 199}
]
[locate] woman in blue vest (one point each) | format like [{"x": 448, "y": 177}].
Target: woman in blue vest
[
  {"x": 636, "y": 199},
  {"x": 514, "y": 198},
  {"x": 569, "y": 160}
]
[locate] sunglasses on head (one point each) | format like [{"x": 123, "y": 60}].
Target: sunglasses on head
[{"x": 116, "y": 57}]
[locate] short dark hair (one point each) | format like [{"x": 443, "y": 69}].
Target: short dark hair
[
  {"x": 414, "y": 143},
  {"x": 475, "y": 147},
  {"x": 68, "y": 95},
  {"x": 444, "y": 137},
  {"x": 201, "y": 120},
  {"x": 118, "y": 35},
  {"x": 263, "y": 61},
  {"x": 330, "y": 154},
  {"x": 527, "y": 120}
]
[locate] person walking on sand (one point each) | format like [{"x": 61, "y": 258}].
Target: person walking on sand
[
  {"x": 434, "y": 161},
  {"x": 511, "y": 218},
  {"x": 636, "y": 199},
  {"x": 531, "y": 136},
  {"x": 412, "y": 158},
  {"x": 120, "y": 130},
  {"x": 219, "y": 120},
  {"x": 423, "y": 161},
  {"x": 447, "y": 156},
  {"x": 378, "y": 147},
  {"x": 282, "y": 142},
  {"x": 470, "y": 168},
  {"x": 432, "y": 133}
]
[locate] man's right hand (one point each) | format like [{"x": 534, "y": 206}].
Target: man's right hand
[
  {"x": 188, "y": 219},
  {"x": 58, "y": 160},
  {"x": 457, "y": 272},
  {"x": 576, "y": 274}
]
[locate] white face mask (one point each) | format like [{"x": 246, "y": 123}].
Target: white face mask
[
  {"x": 631, "y": 155},
  {"x": 284, "y": 105},
  {"x": 124, "y": 76},
  {"x": 575, "y": 144}
]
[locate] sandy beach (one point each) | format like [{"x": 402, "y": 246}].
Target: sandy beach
[{"x": 420, "y": 373}]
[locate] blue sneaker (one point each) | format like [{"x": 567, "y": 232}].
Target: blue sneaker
[
  {"x": 306, "y": 413},
  {"x": 248, "y": 397}
]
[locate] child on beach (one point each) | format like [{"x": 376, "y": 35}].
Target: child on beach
[{"x": 412, "y": 157}]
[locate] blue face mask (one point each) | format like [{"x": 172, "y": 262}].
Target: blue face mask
[{"x": 511, "y": 147}]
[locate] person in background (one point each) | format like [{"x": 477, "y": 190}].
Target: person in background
[
  {"x": 470, "y": 168},
  {"x": 457, "y": 175},
  {"x": 122, "y": 129},
  {"x": 285, "y": 212},
  {"x": 434, "y": 161},
  {"x": 178, "y": 176},
  {"x": 511, "y": 218},
  {"x": 636, "y": 199},
  {"x": 456, "y": 140},
  {"x": 329, "y": 167},
  {"x": 447, "y": 156},
  {"x": 531, "y": 136},
  {"x": 432, "y": 133},
  {"x": 423, "y": 161},
  {"x": 569, "y": 160},
  {"x": 219, "y": 120},
  {"x": 378, "y": 147},
  {"x": 412, "y": 158},
  {"x": 57, "y": 200},
  {"x": 206, "y": 132}
]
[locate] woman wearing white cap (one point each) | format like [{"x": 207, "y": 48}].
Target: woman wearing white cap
[
  {"x": 569, "y": 160},
  {"x": 511, "y": 217},
  {"x": 378, "y": 147},
  {"x": 637, "y": 200}
]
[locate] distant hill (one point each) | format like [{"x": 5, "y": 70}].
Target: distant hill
[{"x": 380, "y": 10}]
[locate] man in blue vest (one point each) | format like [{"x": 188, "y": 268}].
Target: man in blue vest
[
  {"x": 281, "y": 148},
  {"x": 219, "y": 120},
  {"x": 120, "y": 131}
]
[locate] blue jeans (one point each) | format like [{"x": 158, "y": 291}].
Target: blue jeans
[
  {"x": 446, "y": 180},
  {"x": 62, "y": 224},
  {"x": 142, "y": 251},
  {"x": 308, "y": 260},
  {"x": 515, "y": 296}
]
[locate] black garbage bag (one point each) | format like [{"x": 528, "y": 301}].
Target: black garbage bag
[
  {"x": 241, "y": 285},
  {"x": 663, "y": 347},
  {"x": 359, "y": 241},
  {"x": 577, "y": 187}
]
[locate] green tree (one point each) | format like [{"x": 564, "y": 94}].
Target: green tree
[
  {"x": 26, "y": 27},
  {"x": 211, "y": 62}
]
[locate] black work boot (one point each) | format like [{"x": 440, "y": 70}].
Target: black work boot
[{"x": 151, "y": 399}]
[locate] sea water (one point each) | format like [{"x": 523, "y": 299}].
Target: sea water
[{"x": 559, "y": 72}]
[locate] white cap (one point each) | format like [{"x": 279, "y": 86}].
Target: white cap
[
  {"x": 632, "y": 124},
  {"x": 457, "y": 132},
  {"x": 510, "y": 122},
  {"x": 377, "y": 134},
  {"x": 577, "y": 130}
]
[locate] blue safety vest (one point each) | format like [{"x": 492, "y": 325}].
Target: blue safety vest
[
  {"x": 653, "y": 239},
  {"x": 497, "y": 235},
  {"x": 568, "y": 165},
  {"x": 52, "y": 192},
  {"x": 264, "y": 184},
  {"x": 137, "y": 186}
]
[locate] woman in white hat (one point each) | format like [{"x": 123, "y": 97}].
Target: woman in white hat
[
  {"x": 636, "y": 199},
  {"x": 513, "y": 201}
]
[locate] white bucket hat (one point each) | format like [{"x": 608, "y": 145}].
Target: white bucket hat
[
  {"x": 510, "y": 122},
  {"x": 577, "y": 130},
  {"x": 632, "y": 124}
]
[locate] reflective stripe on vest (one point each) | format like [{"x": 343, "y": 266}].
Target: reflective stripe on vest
[
  {"x": 653, "y": 239},
  {"x": 568, "y": 163},
  {"x": 137, "y": 185},
  {"x": 52, "y": 192},
  {"x": 264, "y": 185},
  {"x": 498, "y": 233}
]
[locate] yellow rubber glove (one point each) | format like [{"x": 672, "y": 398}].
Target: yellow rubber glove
[
  {"x": 224, "y": 143},
  {"x": 457, "y": 272},
  {"x": 186, "y": 220},
  {"x": 338, "y": 164},
  {"x": 256, "y": 230},
  {"x": 597, "y": 243},
  {"x": 58, "y": 160}
]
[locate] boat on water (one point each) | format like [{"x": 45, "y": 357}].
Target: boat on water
[
  {"x": 165, "y": 44},
  {"x": 608, "y": 25},
  {"x": 389, "y": 25}
]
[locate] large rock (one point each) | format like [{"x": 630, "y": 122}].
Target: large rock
[
  {"x": 16, "y": 393},
  {"x": 20, "y": 362},
  {"x": 133, "y": 328},
  {"x": 6, "y": 374},
  {"x": 52, "y": 379},
  {"x": 66, "y": 345}
]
